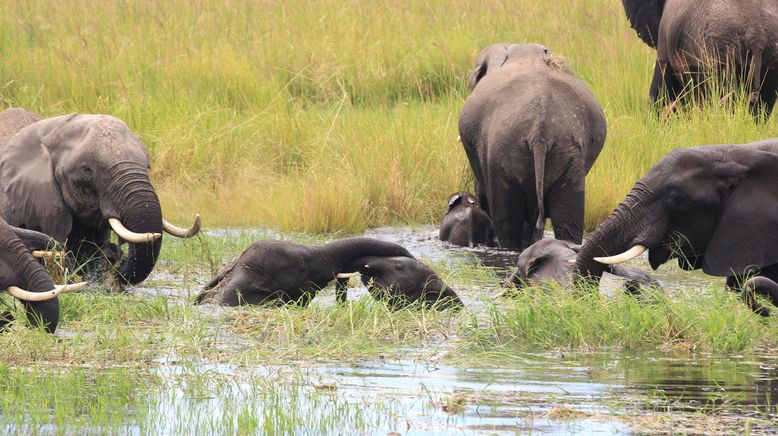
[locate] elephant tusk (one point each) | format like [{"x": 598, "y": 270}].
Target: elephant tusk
[
  {"x": 40, "y": 254},
  {"x": 346, "y": 275},
  {"x": 178, "y": 231},
  {"x": 131, "y": 236},
  {"x": 630, "y": 254},
  {"x": 46, "y": 295}
]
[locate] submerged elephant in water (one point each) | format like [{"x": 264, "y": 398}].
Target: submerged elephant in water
[
  {"x": 531, "y": 131},
  {"x": 554, "y": 261},
  {"x": 23, "y": 277},
  {"x": 281, "y": 272},
  {"x": 465, "y": 223},
  {"x": 77, "y": 178},
  {"x": 400, "y": 282}
]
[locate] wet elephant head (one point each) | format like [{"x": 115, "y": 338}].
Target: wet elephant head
[
  {"x": 401, "y": 281},
  {"x": 465, "y": 223}
]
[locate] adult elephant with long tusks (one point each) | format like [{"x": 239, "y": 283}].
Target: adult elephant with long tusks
[
  {"x": 712, "y": 207},
  {"x": 24, "y": 278},
  {"x": 693, "y": 38},
  {"x": 77, "y": 178},
  {"x": 531, "y": 131},
  {"x": 281, "y": 272}
]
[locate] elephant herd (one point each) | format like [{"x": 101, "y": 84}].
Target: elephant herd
[{"x": 531, "y": 131}]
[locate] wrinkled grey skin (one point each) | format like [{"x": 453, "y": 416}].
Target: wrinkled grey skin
[
  {"x": 532, "y": 132},
  {"x": 19, "y": 268},
  {"x": 280, "y": 272},
  {"x": 465, "y": 223},
  {"x": 712, "y": 207},
  {"x": 688, "y": 34},
  {"x": 552, "y": 260},
  {"x": 401, "y": 281},
  {"x": 65, "y": 176}
]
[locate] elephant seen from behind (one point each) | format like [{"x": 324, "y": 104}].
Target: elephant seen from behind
[
  {"x": 465, "y": 223},
  {"x": 531, "y": 131},
  {"x": 693, "y": 39}
]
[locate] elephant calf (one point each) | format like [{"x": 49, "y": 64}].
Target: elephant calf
[
  {"x": 280, "y": 272},
  {"x": 552, "y": 260},
  {"x": 465, "y": 223},
  {"x": 400, "y": 282}
]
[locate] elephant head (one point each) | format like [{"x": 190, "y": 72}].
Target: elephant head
[
  {"x": 465, "y": 223},
  {"x": 712, "y": 207},
  {"x": 23, "y": 277},
  {"x": 400, "y": 281},
  {"x": 279, "y": 272},
  {"x": 496, "y": 55},
  {"x": 77, "y": 177},
  {"x": 554, "y": 261}
]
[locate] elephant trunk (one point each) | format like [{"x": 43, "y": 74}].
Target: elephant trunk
[
  {"x": 619, "y": 232},
  {"x": 137, "y": 207},
  {"x": 31, "y": 276},
  {"x": 341, "y": 254}
]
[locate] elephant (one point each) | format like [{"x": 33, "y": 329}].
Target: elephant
[
  {"x": 76, "y": 178},
  {"x": 281, "y": 272},
  {"x": 552, "y": 260},
  {"x": 694, "y": 38},
  {"x": 26, "y": 279},
  {"x": 401, "y": 281},
  {"x": 713, "y": 207},
  {"x": 465, "y": 223},
  {"x": 531, "y": 131}
]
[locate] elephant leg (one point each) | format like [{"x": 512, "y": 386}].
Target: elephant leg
[
  {"x": 656, "y": 83},
  {"x": 566, "y": 210},
  {"x": 341, "y": 292},
  {"x": 507, "y": 205},
  {"x": 769, "y": 92},
  {"x": 480, "y": 193},
  {"x": 748, "y": 290}
]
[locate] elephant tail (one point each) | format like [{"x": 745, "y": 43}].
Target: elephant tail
[{"x": 539, "y": 151}]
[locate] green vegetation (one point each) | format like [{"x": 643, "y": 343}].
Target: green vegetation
[{"x": 325, "y": 116}]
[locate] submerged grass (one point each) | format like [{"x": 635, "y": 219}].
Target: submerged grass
[{"x": 320, "y": 116}]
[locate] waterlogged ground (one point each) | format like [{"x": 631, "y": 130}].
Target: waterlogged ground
[{"x": 150, "y": 362}]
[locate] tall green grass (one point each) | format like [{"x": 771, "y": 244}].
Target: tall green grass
[{"x": 325, "y": 115}]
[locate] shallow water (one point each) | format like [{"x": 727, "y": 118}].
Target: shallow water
[{"x": 518, "y": 392}]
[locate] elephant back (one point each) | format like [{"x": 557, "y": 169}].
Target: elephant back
[{"x": 12, "y": 120}]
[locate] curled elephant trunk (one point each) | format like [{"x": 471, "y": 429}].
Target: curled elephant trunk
[
  {"x": 140, "y": 213},
  {"x": 181, "y": 232}
]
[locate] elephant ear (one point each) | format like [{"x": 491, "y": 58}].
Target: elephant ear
[
  {"x": 454, "y": 200},
  {"x": 747, "y": 232},
  {"x": 29, "y": 193},
  {"x": 475, "y": 76},
  {"x": 645, "y": 15}
]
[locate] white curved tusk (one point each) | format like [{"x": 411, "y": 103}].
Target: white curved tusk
[
  {"x": 346, "y": 275},
  {"x": 630, "y": 254},
  {"x": 178, "y": 231},
  {"x": 131, "y": 236},
  {"x": 46, "y": 295},
  {"x": 40, "y": 254}
]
